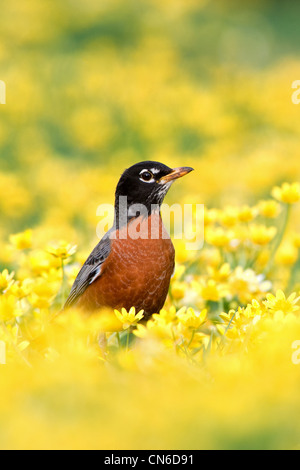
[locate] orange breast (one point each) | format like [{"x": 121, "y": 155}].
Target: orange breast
[{"x": 138, "y": 270}]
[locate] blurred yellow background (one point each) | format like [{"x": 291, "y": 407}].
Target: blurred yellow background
[{"x": 93, "y": 87}]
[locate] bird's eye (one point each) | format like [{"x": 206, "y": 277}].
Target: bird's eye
[{"x": 146, "y": 176}]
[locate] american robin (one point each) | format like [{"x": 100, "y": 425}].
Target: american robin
[{"x": 133, "y": 263}]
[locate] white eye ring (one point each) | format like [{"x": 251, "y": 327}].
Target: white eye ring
[{"x": 144, "y": 172}]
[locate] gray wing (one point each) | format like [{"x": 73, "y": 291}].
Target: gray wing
[{"x": 90, "y": 271}]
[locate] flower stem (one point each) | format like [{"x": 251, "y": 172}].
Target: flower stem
[
  {"x": 63, "y": 285},
  {"x": 278, "y": 239},
  {"x": 293, "y": 275},
  {"x": 119, "y": 340},
  {"x": 127, "y": 342}
]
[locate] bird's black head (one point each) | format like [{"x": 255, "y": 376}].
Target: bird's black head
[{"x": 146, "y": 184}]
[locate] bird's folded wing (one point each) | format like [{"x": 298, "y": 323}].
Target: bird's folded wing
[{"x": 90, "y": 271}]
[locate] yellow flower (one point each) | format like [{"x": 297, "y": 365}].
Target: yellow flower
[
  {"x": 129, "y": 318},
  {"x": 269, "y": 209},
  {"x": 262, "y": 235},
  {"x": 296, "y": 240},
  {"x": 238, "y": 320},
  {"x": 21, "y": 289},
  {"x": 229, "y": 216},
  {"x": 43, "y": 288},
  {"x": 9, "y": 309},
  {"x": 247, "y": 214},
  {"x": 178, "y": 290},
  {"x": 42, "y": 292},
  {"x": 211, "y": 290},
  {"x": 158, "y": 327},
  {"x": 287, "y": 193},
  {"x": 6, "y": 280},
  {"x": 191, "y": 319},
  {"x": 287, "y": 254},
  {"x": 182, "y": 253},
  {"x": 179, "y": 271},
  {"x": 62, "y": 250},
  {"x": 168, "y": 315},
  {"x": 39, "y": 302},
  {"x": 22, "y": 241},
  {"x": 218, "y": 236},
  {"x": 280, "y": 303},
  {"x": 106, "y": 321},
  {"x": 233, "y": 319},
  {"x": 245, "y": 284},
  {"x": 255, "y": 309},
  {"x": 219, "y": 274},
  {"x": 141, "y": 331},
  {"x": 241, "y": 234},
  {"x": 53, "y": 275},
  {"x": 40, "y": 262},
  {"x": 210, "y": 257},
  {"x": 210, "y": 216}
]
